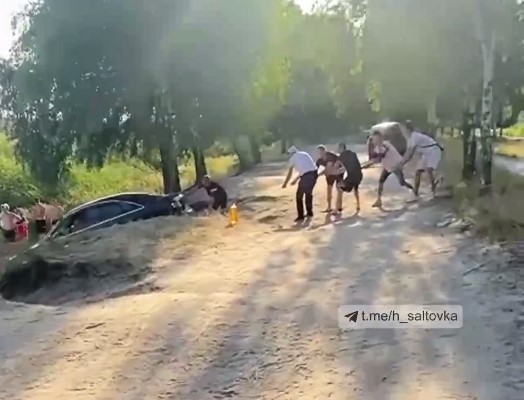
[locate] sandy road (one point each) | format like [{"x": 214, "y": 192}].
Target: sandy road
[{"x": 254, "y": 315}]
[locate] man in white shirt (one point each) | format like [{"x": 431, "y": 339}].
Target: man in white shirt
[
  {"x": 386, "y": 154},
  {"x": 307, "y": 179},
  {"x": 430, "y": 155}
]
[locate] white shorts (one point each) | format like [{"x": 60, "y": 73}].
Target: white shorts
[{"x": 430, "y": 158}]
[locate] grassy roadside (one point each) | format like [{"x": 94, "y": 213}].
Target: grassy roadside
[
  {"x": 500, "y": 214},
  {"x": 516, "y": 131},
  {"x": 510, "y": 148},
  {"x": 19, "y": 188}
]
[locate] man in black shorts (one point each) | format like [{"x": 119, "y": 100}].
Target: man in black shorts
[
  {"x": 328, "y": 159},
  {"x": 216, "y": 192},
  {"x": 348, "y": 164}
]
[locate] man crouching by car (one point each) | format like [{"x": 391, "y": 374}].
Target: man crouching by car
[{"x": 217, "y": 193}]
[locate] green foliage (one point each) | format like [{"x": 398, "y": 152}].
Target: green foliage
[
  {"x": 16, "y": 186},
  {"x": 19, "y": 188},
  {"x": 94, "y": 82},
  {"x": 515, "y": 131}
]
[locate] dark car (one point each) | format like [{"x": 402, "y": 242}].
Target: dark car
[{"x": 117, "y": 209}]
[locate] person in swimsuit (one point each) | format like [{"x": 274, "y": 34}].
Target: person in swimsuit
[
  {"x": 8, "y": 222},
  {"x": 39, "y": 214},
  {"x": 46, "y": 215},
  {"x": 386, "y": 154},
  {"x": 328, "y": 159}
]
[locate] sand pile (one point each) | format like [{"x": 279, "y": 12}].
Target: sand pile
[{"x": 104, "y": 261}]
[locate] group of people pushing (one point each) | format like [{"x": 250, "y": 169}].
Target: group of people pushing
[{"x": 344, "y": 170}]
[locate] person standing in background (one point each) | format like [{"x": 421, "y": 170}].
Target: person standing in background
[{"x": 8, "y": 222}]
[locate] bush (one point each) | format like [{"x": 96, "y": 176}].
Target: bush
[
  {"x": 498, "y": 214},
  {"x": 16, "y": 186},
  {"x": 515, "y": 130}
]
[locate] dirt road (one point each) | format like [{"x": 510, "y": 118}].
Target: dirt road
[{"x": 254, "y": 315}]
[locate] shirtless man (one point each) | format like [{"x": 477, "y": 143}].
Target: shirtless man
[
  {"x": 8, "y": 222},
  {"x": 46, "y": 215},
  {"x": 386, "y": 154},
  {"x": 39, "y": 214},
  {"x": 328, "y": 159},
  {"x": 430, "y": 154}
]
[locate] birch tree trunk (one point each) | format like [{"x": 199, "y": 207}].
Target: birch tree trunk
[
  {"x": 469, "y": 139},
  {"x": 487, "y": 38},
  {"x": 486, "y": 120}
]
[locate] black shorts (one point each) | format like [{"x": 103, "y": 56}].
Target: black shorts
[
  {"x": 219, "y": 202},
  {"x": 10, "y": 236},
  {"x": 331, "y": 179},
  {"x": 350, "y": 183},
  {"x": 41, "y": 226}
]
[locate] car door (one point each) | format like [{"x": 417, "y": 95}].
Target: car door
[
  {"x": 104, "y": 214},
  {"x": 113, "y": 212}
]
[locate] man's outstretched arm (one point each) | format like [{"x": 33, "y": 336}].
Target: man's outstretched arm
[
  {"x": 370, "y": 163},
  {"x": 408, "y": 156},
  {"x": 288, "y": 177}
]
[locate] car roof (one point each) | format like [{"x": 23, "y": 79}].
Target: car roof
[{"x": 113, "y": 197}]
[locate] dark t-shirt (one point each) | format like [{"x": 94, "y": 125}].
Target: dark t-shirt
[
  {"x": 214, "y": 190},
  {"x": 349, "y": 160},
  {"x": 330, "y": 157}
]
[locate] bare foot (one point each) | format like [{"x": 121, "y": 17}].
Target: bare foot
[{"x": 377, "y": 204}]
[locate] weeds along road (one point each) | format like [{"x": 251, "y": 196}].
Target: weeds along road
[{"x": 251, "y": 313}]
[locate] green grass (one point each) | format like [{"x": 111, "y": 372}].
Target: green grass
[
  {"x": 515, "y": 131},
  {"x": 19, "y": 188},
  {"x": 499, "y": 214},
  {"x": 513, "y": 149}
]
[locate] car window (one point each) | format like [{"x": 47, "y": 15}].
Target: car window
[
  {"x": 101, "y": 212},
  {"x": 63, "y": 227},
  {"x": 128, "y": 206},
  {"x": 93, "y": 215}
]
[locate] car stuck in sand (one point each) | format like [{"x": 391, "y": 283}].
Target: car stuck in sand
[{"x": 118, "y": 209}]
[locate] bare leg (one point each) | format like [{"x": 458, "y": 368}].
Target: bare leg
[
  {"x": 432, "y": 180},
  {"x": 418, "y": 177},
  {"x": 329, "y": 196},
  {"x": 339, "y": 199},
  {"x": 357, "y": 198},
  {"x": 377, "y": 203}
]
